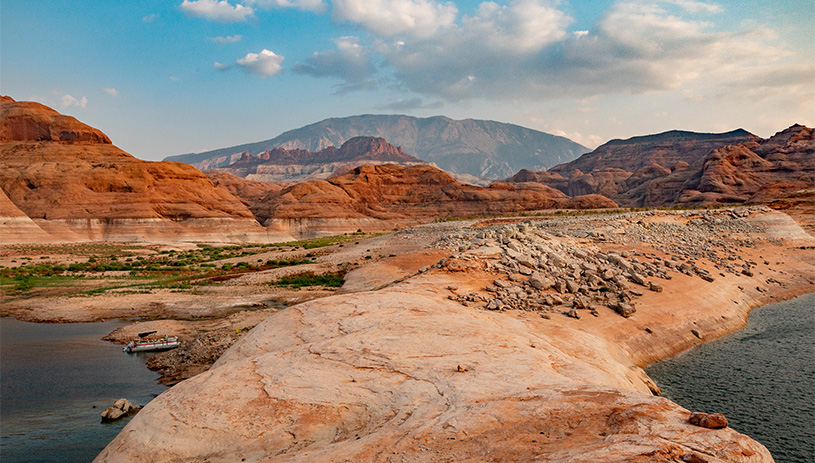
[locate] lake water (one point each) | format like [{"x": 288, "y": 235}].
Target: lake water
[
  {"x": 762, "y": 378},
  {"x": 51, "y": 378}
]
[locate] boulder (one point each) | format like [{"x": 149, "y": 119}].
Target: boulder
[{"x": 710, "y": 421}]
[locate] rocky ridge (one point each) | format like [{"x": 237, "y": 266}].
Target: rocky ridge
[
  {"x": 73, "y": 183},
  {"x": 282, "y": 165},
  {"x": 473, "y": 147},
  {"x": 683, "y": 168},
  {"x": 393, "y": 196}
]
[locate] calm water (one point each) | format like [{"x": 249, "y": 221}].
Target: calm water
[
  {"x": 762, "y": 378},
  {"x": 51, "y": 377}
]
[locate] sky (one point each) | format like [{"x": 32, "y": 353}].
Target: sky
[{"x": 171, "y": 77}]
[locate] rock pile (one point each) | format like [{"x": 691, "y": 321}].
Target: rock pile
[
  {"x": 556, "y": 265},
  {"x": 120, "y": 408}
]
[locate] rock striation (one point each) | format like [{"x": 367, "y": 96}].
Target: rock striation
[
  {"x": 689, "y": 169},
  {"x": 71, "y": 181},
  {"x": 387, "y": 196},
  {"x": 282, "y": 165},
  {"x": 478, "y": 148}
]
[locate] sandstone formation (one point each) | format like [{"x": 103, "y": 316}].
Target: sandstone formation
[
  {"x": 282, "y": 165},
  {"x": 476, "y": 148},
  {"x": 120, "y": 409},
  {"x": 16, "y": 227},
  {"x": 389, "y": 196},
  {"x": 684, "y": 168},
  {"x": 424, "y": 369},
  {"x": 70, "y": 180}
]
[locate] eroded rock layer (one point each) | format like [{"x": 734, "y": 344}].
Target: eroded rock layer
[
  {"x": 394, "y": 195},
  {"x": 688, "y": 169},
  {"x": 56, "y": 169}
]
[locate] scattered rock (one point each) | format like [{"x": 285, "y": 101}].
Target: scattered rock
[
  {"x": 710, "y": 421},
  {"x": 120, "y": 408}
]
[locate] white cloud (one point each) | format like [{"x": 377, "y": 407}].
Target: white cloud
[
  {"x": 418, "y": 18},
  {"x": 350, "y": 62},
  {"x": 221, "y": 66},
  {"x": 220, "y": 11},
  {"x": 150, "y": 17},
  {"x": 227, "y": 39},
  {"x": 306, "y": 5},
  {"x": 264, "y": 64},
  {"x": 68, "y": 100},
  {"x": 523, "y": 50},
  {"x": 694, "y": 6},
  {"x": 174, "y": 78},
  {"x": 111, "y": 91}
]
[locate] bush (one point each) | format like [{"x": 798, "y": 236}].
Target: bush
[{"x": 332, "y": 280}]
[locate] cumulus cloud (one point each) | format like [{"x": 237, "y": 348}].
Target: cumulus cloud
[
  {"x": 221, "y": 40},
  {"x": 150, "y": 17},
  {"x": 306, "y": 5},
  {"x": 524, "y": 50},
  {"x": 111, "y": 91},
  {"x": 263, "y": 64},
  {"x": 220, "y": 11},
  {"x": 419, "y": 18},
  {"x": 68, "y": 100},
  {"x": 221, "y": 66},
  {"x": 350, "y": 62}
]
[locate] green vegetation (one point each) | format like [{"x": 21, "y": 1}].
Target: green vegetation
[
  {"x": 331, "y": 280},
  {"x": 135, "y": 268}
]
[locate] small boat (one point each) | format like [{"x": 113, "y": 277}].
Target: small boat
[{"x": 145, "y": 344}]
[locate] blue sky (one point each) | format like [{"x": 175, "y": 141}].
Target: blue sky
[{"x": 172, "y": 77}]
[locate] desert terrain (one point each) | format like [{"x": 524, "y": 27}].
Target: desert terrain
[{"x": 501, "y": 338}]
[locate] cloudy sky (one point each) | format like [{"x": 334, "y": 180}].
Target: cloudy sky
[{"x": 171, "y": 77}]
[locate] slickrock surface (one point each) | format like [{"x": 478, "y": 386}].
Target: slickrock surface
[
  {"x": 433, "y": 368},
  {"x": 71, "y": 181}
]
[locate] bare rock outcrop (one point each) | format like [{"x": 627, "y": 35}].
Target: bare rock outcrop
[
  {"x": 60, "y": 171},
  {"x": 684, "y": 168},
  {"x": 17, "y": 227},
  {"x": 394, "y": 194},
  {"x": 283, "y": 165},
  {"x": 402, "y": 373},
  {"x": 424, "y": 369}
]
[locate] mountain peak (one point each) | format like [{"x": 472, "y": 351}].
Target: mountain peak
[{"x": 480, "y": 148}]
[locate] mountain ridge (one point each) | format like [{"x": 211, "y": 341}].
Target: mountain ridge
[{"x": 475, "y": 147}]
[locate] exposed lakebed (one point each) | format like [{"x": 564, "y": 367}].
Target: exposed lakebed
[
  {"x": 762, "y": 378},
  {"x": 53, "y": 375}
]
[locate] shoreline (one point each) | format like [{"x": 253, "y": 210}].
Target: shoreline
[{"x": 497, "y": 374}]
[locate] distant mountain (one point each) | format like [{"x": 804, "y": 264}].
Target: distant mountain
[
  {"x": 282, "y": 165},
  {"x": 474, "y": 147},
  {"x": 686, "y": 168}
]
